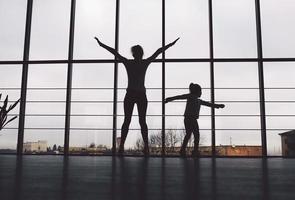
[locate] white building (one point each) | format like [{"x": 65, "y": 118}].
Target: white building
[{"x": 40, "y": 146}]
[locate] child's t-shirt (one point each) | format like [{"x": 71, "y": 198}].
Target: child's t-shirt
[{"x": 193, "y": 105}]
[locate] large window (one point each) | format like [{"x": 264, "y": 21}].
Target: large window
[{"x": 73, "y": 90}]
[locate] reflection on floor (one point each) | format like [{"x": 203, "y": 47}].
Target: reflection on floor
[{"x": 83, "y": 178}]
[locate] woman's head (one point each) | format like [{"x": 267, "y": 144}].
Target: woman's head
[
  {"x": 195, "y": 89},
  {"x": 137, "y": 52}
]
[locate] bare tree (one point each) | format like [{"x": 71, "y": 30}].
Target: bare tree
[
  {"x": 156, "y": 140},
  {"x": 92, "y": 145},
  {"x": 139, "y": 144},
  {"x": 172, "y": 138}
]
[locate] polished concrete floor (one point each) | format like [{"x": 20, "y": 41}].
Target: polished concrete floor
[{"x": 103, "y": 178}]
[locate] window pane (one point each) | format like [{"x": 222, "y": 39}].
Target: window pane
[
  {"x": 8, "y": 142},
  {"x": 277, "y": 31},
  {"x": 10, "y": 83},
  {"x": 43, "y": 141},
  {"x": 178, "y": 78},
  {"x": 91, "y": 142},
  {"x": 45, "y": 109},
  {"x": 238, "y": 124},
  {"x": 280, "y": 106},
  {"x": 12, "y": 34},
  {"x": 191, "y": 26},
  {"x": 140, "y": 23},
  {"x": 50, "y": 29},
  {"x": 234, "y": 28},
  {"x": 92, "y": 106},
  {"x": 153, "y": 83},
  {"x": 94, "y": 18}
]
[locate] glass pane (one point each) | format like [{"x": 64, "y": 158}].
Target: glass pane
[
  {"x": 178, "y": 78},
  {"x": 45, "y": 109},
  {"x": 191, "y": 26},
  {"x": 92, "y": 104},
  {"x": 10, "y": 83},
  {"x": 50, "y": 29},
  {"x": 277, "y": 31},
  {"x": 238, "y": 124},
  {"x": 94, "y": 18},
  {"x": 8, "y": 140},
  {"x": 234, "y": 28},
  {"x": 280, "y": 106},
  {"x": 91, "y": 142},
  {"x": 134, "y": 144},
  {"x": 12, "y": 34},
  {"x": 238, "y": 143},
  {"x": 44, "y": 141},
  {"x": 153, "y": 83},
  {"x": 140, "y": 23}
]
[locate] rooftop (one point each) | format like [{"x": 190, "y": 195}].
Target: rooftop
[{"x": 292, "y": 132}]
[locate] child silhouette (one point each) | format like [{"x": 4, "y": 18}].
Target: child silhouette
[{"x": 191, "y": 114}]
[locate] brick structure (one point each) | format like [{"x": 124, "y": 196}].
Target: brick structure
[{"x": 288, "y": 143}]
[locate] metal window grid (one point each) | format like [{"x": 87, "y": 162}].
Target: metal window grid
[{"x": 260, "y": 60}]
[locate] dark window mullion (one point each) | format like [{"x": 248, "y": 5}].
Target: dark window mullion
[
  {"x": 163, "y": 79},
  {"x": 115, "y": 95},
  {"x": 23, "y": 97},
  {"x": 261, "y": 79},
  {"x": 69, "y": 78},
  {"x": 212, "y": 92}
]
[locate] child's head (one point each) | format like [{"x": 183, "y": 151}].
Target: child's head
[{"x": 195, "y": 89}]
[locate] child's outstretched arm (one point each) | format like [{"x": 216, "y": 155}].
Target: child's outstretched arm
[
  {"x": 110, "y": 49},
  {"x": 212, "y": 105},
  {"x": 184, "y": 96}
]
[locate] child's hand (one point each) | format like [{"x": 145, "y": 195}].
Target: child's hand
[
  {"x": 97, "y": 40},
  {"x": 221, "y": 105}
]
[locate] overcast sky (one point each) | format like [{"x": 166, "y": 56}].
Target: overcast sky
[{"x": 140, "y": 23}]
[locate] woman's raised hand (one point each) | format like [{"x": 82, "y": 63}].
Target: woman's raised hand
[
  {"x": 172, "y": 43},
  {"x": 99, "y": 42}
]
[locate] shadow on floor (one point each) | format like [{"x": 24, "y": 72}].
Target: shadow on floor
[{"x": 55, "y": 177}]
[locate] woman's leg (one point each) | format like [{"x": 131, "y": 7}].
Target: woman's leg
[
  {"x": 188, "y": 130},
  {"x": 128, "y": 109},
  {"x": 142, "y": 107}
]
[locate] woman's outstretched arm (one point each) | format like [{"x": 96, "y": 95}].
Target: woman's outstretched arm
[
  {"x": 110, "y": 49},
  {"x": 212, "y": 105},
  {"x": 184, "y": 96},
  {"x": 161, "y": 50}
]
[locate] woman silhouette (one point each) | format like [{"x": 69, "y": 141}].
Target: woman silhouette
[{"x": 136, "y": 92}]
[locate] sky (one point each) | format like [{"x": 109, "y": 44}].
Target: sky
[{"x": 140, "y": 23}]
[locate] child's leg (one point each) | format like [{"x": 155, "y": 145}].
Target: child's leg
[
  {"x": 188, "y": 130},
  {"x": 196, "y": 133}
]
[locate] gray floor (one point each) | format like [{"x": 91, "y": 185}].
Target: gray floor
[{"x": 83, "y": 178}]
